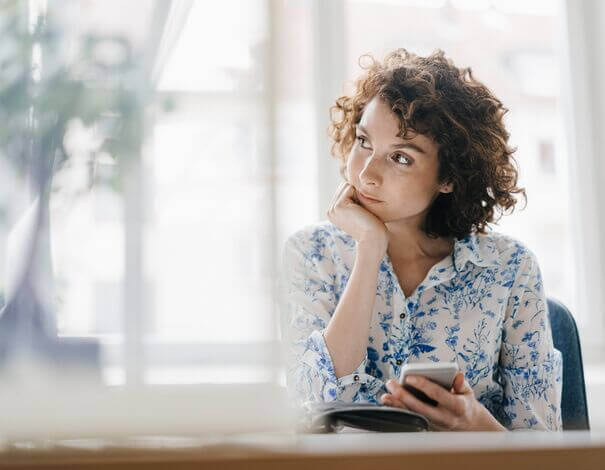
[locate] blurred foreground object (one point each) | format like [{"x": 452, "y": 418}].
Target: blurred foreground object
[
  {"x": 51, "y": 82},
  {"x": 64, "y": 98}
]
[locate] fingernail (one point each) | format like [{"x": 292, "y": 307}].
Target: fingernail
[{"x": 411, "y": 380}]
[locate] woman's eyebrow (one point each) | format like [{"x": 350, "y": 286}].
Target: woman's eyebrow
[{"x": 408, "y": 145}]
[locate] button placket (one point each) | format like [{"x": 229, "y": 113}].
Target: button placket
[{"x": 399, "y": 304}]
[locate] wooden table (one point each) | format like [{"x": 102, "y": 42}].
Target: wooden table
[{"x": 349, "y": 450}]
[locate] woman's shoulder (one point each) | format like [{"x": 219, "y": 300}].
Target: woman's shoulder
[
  {"x": 320, "y": 240},
  {"x": 324, "y": 232},
  {"x": 504, "y": 250}
]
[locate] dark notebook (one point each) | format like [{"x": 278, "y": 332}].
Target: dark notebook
[{"x": 332, "y": 417}]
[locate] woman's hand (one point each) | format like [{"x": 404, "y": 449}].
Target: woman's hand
[
  {"x": 457, "y": 410},
  {"x": 346, "y": 213}
]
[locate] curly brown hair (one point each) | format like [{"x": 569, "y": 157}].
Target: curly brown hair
[{"x": 433, "y": 97}]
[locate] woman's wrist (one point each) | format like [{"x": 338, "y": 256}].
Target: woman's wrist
[
  {"x": 371, "y": 251},
  {"x": 487, "y": 422}
]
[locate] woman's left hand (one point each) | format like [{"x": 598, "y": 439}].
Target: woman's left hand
[{"x": 456, "y": 410}]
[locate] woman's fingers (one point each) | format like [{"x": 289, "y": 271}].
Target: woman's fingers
[
  {"x": 341, "y": 188},
  {"x": 438, "y": 415},
  {"x": 461, "y": 386},
  {"x": 389, "y": 400},
  {"x": 357, "y": 221},
  {"x": 432, "y": 390},
  {"x": 334, "y": 213},
  {"x": 457, "y": 409},
  {"x": 346, "y": 195},
  {"x": 343, "y": 200}
]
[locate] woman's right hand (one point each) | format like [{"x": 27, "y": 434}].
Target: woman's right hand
[{"x": 346, "y": 213}]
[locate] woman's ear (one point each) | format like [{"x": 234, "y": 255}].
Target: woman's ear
[{"x": 446, "y": 188}]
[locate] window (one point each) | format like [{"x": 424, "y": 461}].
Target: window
[{"x": 243, "y": 160}]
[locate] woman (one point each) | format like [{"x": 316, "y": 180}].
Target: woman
[{"x": 407, "y": 271}]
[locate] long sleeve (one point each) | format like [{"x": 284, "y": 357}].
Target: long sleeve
[
  {"x": 312, "y": 281},
  {"x": 531, "y": 368}
]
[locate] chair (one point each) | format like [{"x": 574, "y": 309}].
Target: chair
[{"x": 574, "y": 408}]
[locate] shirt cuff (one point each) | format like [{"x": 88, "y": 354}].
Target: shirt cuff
[{"x": 328, "y": 386}]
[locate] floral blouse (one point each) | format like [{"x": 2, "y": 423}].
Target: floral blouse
[{"x": 483, "y": 307}]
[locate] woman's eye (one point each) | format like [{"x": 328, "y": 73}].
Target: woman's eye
[
  {"x": 402, "y": 159},
  {"x": 362, "y": 142}
]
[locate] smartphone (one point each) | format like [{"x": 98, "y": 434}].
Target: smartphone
[{"x": 442, "y": 373}]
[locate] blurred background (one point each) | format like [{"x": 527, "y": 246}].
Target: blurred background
[{"x": 172, "y": 263}]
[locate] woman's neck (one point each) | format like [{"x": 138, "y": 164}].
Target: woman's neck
[{"x": 409, "y": 243}]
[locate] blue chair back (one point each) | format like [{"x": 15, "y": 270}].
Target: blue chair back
[{"x": 574, "y": 408}]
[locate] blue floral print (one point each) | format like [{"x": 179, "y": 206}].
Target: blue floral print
[{"x": 482, "y": 307}]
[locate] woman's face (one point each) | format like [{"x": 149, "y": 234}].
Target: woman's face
[{"x": 395, "y": 179}]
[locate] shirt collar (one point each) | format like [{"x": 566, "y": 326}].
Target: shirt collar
[{"x": 479, "y": 249}]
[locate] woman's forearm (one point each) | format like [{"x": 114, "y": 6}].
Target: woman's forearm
[{"x": 347, "y": 333}]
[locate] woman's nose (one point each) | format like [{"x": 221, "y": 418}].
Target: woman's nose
[{"x": 371, "y": 172}]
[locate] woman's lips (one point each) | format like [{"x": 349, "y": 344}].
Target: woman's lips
[{"x": 368, "y": 199}]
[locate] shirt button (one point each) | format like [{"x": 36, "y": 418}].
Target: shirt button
[
  {"x": 399, "y": 362},
  {"x": 356, "y": 378},
  {"x": 402, "y": 315}
]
